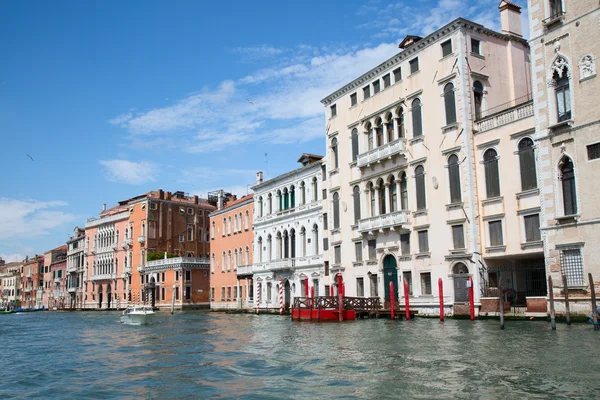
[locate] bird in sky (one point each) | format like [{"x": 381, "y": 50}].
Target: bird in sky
[
  {"x": 250, "y": 101},
  {"x": 30, "y": 157}
]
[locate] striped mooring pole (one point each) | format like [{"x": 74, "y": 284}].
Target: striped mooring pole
[
  {"x": 257, "y": 297},
  {"x": 280, "y": 296}
]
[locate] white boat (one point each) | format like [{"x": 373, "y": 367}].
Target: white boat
[{"x": 137, "y": 315}]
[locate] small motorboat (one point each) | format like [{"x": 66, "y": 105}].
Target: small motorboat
[
  {"x": 2, "y": 311},
  {"x": 137, "y": 315}
]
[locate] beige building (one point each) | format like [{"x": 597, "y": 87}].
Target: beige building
[
  {"x": 423, "y": 168},
  {"x": 565, "y": 42}
]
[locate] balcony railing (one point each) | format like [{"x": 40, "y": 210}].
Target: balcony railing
[
  {"x": 71, "y": 269},
  {"x": 103, "y": 277},
  {"x": 505, "y": 116},
  {"x": 140, "y": 268},
  {"x": 177, "y": 263},
  {"x": 72, "y": 289},
  {"x": 554, "y": 18},
  {"x": 141, "y": 239},
  {"x": 395, "y": 147},
  {"x": 57, "y": 280},
  {"x": 26, "y": 290},
  {"x": 244, "y": 270},
  {"x": 126, "y": 243},
  {"x": 297, "y": 209},
  {"x": 390, "y": 220},
  {"x": 286, "y": 264}
]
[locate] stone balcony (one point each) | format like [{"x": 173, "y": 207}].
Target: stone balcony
[
  {"x": 141, "y": 239},
  {"x": 386, "y": 151},
  {"x": 103, "y": 277},
  {"x": 244, "y": 270},
  {"x": 72, "y": 289},
  {"x": 71, "y": 269},
  {"x": 176, "y": 263},
  {"x": 386, "y": 221},
  {"x": 505, "y": 116},
  {"x": 287, "y": 264},
  {"x": 57, "y": 280},
  {"x": 302, "y": 208},
  {"x": 126, "y": 243}
]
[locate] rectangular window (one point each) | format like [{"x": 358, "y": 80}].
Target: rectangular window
[
  {"x": 181, "y": 238},
  {"x": 190, "y": 211},
  {"x": 571, "y": 265},
  {"x": 337, "y": 251},
  {"x": 387, "y": 80},
  {"x": 532, "y": 228},
  {"x": 212, "y": 294},
  {"x": 376, "y": 87},
  {"x": 423, "y": 242},
  {"x": 325, "y": 222},
  {"x": 235, "y": 294},
  {"x": 228, "y": 292},
  {"x": 325, "y": 244},
  {"x": 188, "y": 275},
  {"x": 397, "y": 75},
  {"x": 446, "y": 48},
  {"x": 333, "y": 110},
  {"x": 372, "y": 244},
  {"x": 593, "y": 151},
  {"x": 269, "y": 284},
  {"x": 360, "y": 287},
  {"x": 458, "y": 236},
  {"x": 222, "y": 293},
  {"x": 353, "y": 99},
  {"x": 374, "y": 290},
  {"x": 407, "y": 277},
  {"x": 190, "y": 232},
  {"x": 324, "y": 194},
  {"x": 358, "y": 251},
  {"x": 405, "y": 243},
  {"x": 176, "y": 293},
  {"x": 152, "y": 229},
  {"x": 153, "y": 206},
  {"x": 327, "y": 290},
  {"x": 176, "y": 275},
  {"x": 326, "y": 267},
  {"x": 414, "y": 65},
  {"x": 475, "y": 49},
  {"x": 366, "y": 92},
  {"x": 188, "y": 292},
  {"x": 496, "y": 233},
  {"x": 426, "y": 283},
  {"x": 163, "y": 277}
]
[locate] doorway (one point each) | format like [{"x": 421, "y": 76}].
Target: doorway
[
  {"x": 99, "y": 296},
  {"x": 460, "y": 274},
  {"x": 390, "y": 274},
  {"x": 108, "y": 296},
  {"x": 286, "y": 291}
]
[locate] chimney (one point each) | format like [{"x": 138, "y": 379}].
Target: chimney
[
  {"x": 259, "y": 177},
  {"x": 104, "y": 207},
  {"x": 510, "y": 18},
  {"x": 195, "y": 199},
  {"x": 220, "y": 200},
  {"x": 161, "y": 194},
  {"x": 168, "y": 196}
]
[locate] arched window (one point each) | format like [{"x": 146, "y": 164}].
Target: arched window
[
  {"x": 492, "y": 178},
  {"x": 478, "y": 98},
  {"x": 401, "y": 131},
  {"x": 212, "y": 264},
  {"x": 229, "y": 226},
  {"x": 286, "y": 199},
  {"x": 527, "y": 164},
  {"x": 420, "y": 185},
  {"x": 403, "y": 191},
  {"x": 454, "y": 179},
  {"x": 224, "y": 231},
  {"x": 389, "y": 126},
  {"x": 260, "y": 206},
  {"x": 235, "y": 223},
  {"x": 292, "y": 243},
  {"x": 381, "y": 192},
  {"x": 334, "y": 153},
  {"x": 567, "y": 177},
  {"x": 354, "y": 144},
  {"x": 356, "y": 199},
  {"x": 315, "y": 189},
  {"x": 303, "y": 241},
  {"x": 336, "y": 210},
  {"x": 280, "y": 200},
  {"x": 223, "y": 262},
  {"x": 450, "y": 104},
  {"x": 247, "y": 256},
  {"x": 393, "y": 195},
  {"x": 371, "y": 189},
  {"x": 229, "y": 261},
  {"x": 379, "y": 130},
  {"x": 270, "y": 203},
  {"x": 235, "y": 259},
  {"x": 370, "y": 136},
  {"x": 563, "y": 94},
  {"x": 292, "y": 196},
  {"x": 417, "y": 124},
  {"x": 260, "y": 249},
  {"x": 247, "y": 222},
  {"x": 269, "y": 247},
  {"x": 316, "y": 238},
  {"x": 302, "y": 193}
]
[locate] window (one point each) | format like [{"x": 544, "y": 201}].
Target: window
[
  {"x": 188, "y": 275},
  {"x": 334, "y": 153},
  {"x": 458, "y": 236},
  {"x": 325, "y": 244},
  {"x": 563, "y": 95},
  {"x": 333, "y": 109},
  {"x": 212, "y": 294},
  {"x": 414, "y": 65},
  {"x": 188, "y": 292},
  {"x": 450, "y": 104},
  {"x": 405, "y": 244},
  {"x": 571, "y": 265},
  {"x": 358, "y": 251},
  {"x": 532, "y": 228},
  {"x": 567, "y": 177},
  {"x": 337, "y": 252},
  {"x": 269, "y": 285},
  {"x": 387, "y": 80},
  {"x": 153, "y": 206},
  {"x": 446, "y": 48},
  {"x": 593, "y": 151},
  {"x": 527, "y": 164},
  {"x": 324, "y": 194},
  {"x": 454, "y": 179},
  {"x": 366, "y": 92},
  {"x": 372, "y": 244},
  {"x": 353, "y": 99},
  {"x": 417, "y": 124},
  {"x": 181, "y": 210},
  {"x": 325, "y": 221},
  {"x": 492, "y": 179},
  {"x": 397, "y": 75},
  {"x": 555, "y": 8},
  {"x": 373, "y": 285},
  {"x": 315, "y": 189},
  {"x": 360, "y": 287},
  {"x": 478, "y": 98},
  {"x": 475, "y": 46},
  {"x": 181, "y": 238},
  {"x": 151, "y": 230},
  {"x": 423, "y": 241},
  {"x": 190, "y": 232},
  {"x": 426, "y": 283},
  {"x": 403, "y": 192},
  {"x": 376, "y": 87},
  {"x": 389, "y": 127},
  {"x": 336, "y": 210},
  {"x": 370, "y": 136},
  {"x": 326, "y": 267},
  {"x": 407, "y": 277},
  {"x": 379, "y": 132},
  {"x": 381, "y": 190},
  {"x": 190, "y": 211},
  {"x": 393, "y": 195},
  {"x": 496, "y": 233},
  {"x": 354, "y": 144},
  {"x": 212, "y": 232},
  {"x": 420, "y": 185}
]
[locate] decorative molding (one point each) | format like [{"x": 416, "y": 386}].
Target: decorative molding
[
  {"x": 417, "y": 161},
  {"x": 446, "y": 79},
  {"x": 414, "y": 94},
  {"x": 451, "y": 150},
  {"x": 493, "y": 217},
  {"x": 490, "y": 143},
  {"x": 528, "y": 211},
  {"x": 569, "y": 246}
]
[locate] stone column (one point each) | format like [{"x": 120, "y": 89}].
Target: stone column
[
  {"x": 385, "y": 132},
  {"x": 376, "y": 211},
  {"x": 398, "y": 196},
  {"x": 396, "y": 131},
  {"x": 387, "y": 197}
]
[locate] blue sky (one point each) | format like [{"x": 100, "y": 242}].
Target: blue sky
[{"x": 112, "y": 99}]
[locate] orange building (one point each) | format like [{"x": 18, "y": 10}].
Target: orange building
[{"x": 231, "y": 253}]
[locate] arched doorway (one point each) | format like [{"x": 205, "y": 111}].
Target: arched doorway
[
  {"x": 99, "y": 296},
  {"x": 460, "y": 274},
  {"x": 286, "y": 295},
  {"x": 150, "y": 290},
  {"x": 108, "y": 296},
  {"x": 390, "y": 274}
]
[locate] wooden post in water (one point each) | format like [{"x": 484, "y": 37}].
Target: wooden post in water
[
  {"x": 551, "y": 295},
  {"x": 441, "y": 294},
  {"x": 471, "y": 299},
  {"x": 392, "y": 299},
  {"x": 173, "y": 300},
  {"x": 567, "y": 307},
  {"x": 593, "y": 295},
  {"x": 501, "y": 304},
  {"x": 406, "y": 301}
]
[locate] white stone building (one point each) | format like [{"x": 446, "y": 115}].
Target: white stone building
[
  {"x": 288, "y": 225},
  {"x": 76, "y": 268}
]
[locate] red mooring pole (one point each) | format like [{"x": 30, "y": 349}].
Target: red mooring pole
[
  {"x": 340, "y": 298},
  {"x": 306, "y": 287},
  {"x": 406, "y": 302},
  {"x": 312, "y": 292},
  {"x": 392, "y": 299},
  {"x": 471, "y": 299},
  {"x": 331, "y": 290},
  {"x": 441, "y": 291}
]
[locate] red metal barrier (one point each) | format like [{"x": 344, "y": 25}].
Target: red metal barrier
[
  {"x": 441, "y": 294},
  {"x": 406, "y": 301},
  {"x": 471, "y": 299},
  {"x": 340, "y": 297},
  {"x": 392, "y": 299}
]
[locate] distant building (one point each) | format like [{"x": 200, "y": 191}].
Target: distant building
[
  {"x": 76, "y": 268},
  {"x": 11, "y": 285},
  {"x": 32, "y": 281},
  {"x": 54, "y": 294}
]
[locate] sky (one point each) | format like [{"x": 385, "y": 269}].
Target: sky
[{"x": 101, "y": 101}]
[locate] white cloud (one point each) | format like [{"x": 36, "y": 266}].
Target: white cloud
[
  {"x": 26, "y": 218},
  {"x": 124, "y": 171},
  {"x": 121, "y": 120},
  {"x": 15, "y": 257},
  {"x": 259, "y": 52}
]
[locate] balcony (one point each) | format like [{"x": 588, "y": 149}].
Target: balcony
[
  {"x": 141, "y": 239},
  {"x": 103, "y": 277},
  {"x": 386, "y": 221},
  {"x": 57, "y": 280},
  {"x": 126, "y": 243},
  {"x": 505, "y": 114},
  {"x": 26, "y": 290},
  {"x": 72, "y": 289},
  {"x": 386, "y": 151},
  {"x": 244, "y": 270},
  {"x": 115, "y": 246},
  {"x": 298, "y": 209},
  {"x": 177, "y": 263},
  {"x": 140, "y": 268},
  {"x": 286, "y": 264},
  {"x": 71, "y": 269},
  {"x": 556, "y": 17}
]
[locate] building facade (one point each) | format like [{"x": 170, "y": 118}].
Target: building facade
[
  {"x": 231, "y": 285},
  {"x": 407, "y": 165},
  {"x": 32, "y": 282},
  {"x": 75, "y": 268},
  {"x": 54, "y": 295},
  {"x": 11, "y": 286},
  {"x": 565, "y": 47},
  {"x": 288, "y": 224}
]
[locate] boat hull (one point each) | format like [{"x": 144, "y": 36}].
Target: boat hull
[{"x": 137, "y": 319}]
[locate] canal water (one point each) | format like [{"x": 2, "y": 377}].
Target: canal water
[{"x": 202, "y": 355}]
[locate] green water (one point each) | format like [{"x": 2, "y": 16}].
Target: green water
[{"x": 203, "y": 355}]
